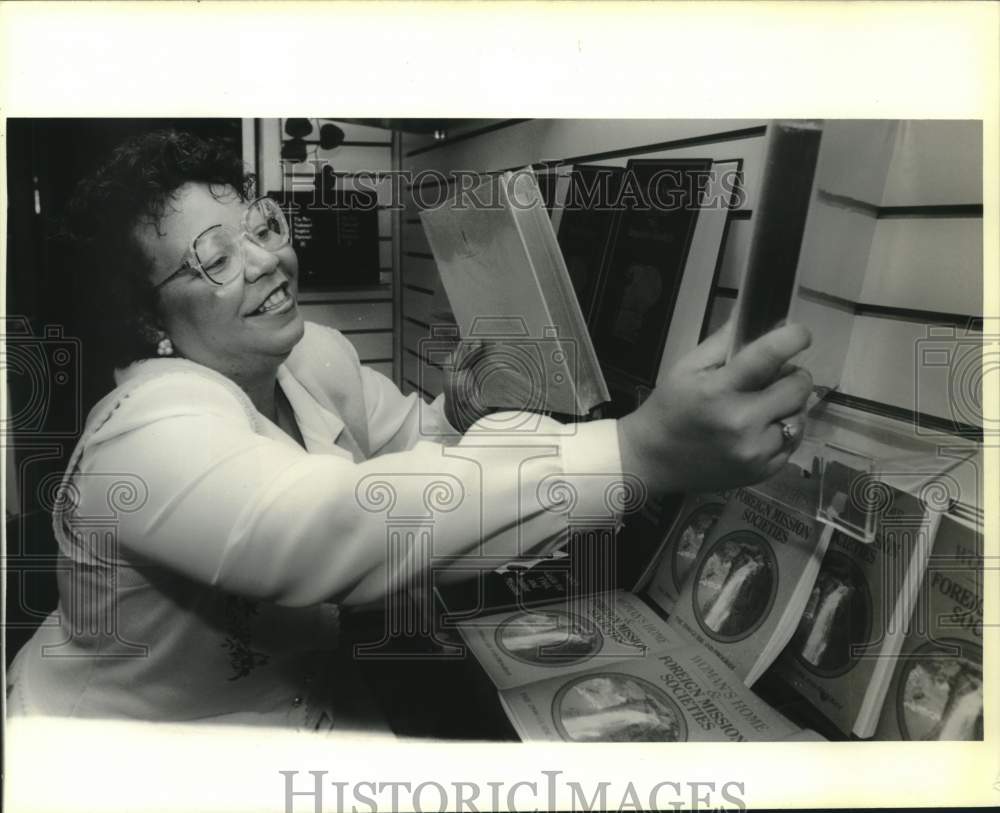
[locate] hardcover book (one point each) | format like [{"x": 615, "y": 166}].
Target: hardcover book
[
  {"x": 583, "y": 222},
  {"x": 645, "y": 261},
  {"x": 508, "y": 285},
  {"x": 769, "y": 282}
]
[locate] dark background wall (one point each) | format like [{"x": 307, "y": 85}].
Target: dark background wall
[{"x": 53, "y": 366}]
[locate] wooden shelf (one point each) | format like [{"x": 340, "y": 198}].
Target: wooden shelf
[{"x": 377, "y": 292}]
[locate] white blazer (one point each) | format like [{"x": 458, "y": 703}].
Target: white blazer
[{"x": 205, "y": 551}]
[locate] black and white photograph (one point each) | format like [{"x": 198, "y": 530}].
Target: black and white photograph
[
  {"x": 735, "y": 586},
  {"x": 690, "y": 538},
  {"x": 941, "y": 694},
  {"x": 617, "y": 708},
  {"x": 266, "y": 283},
  {"x": 549, "y": 638},
  {"x": 837, "y": 618}
]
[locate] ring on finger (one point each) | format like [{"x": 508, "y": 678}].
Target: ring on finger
[{"x": 789, "y": 431}]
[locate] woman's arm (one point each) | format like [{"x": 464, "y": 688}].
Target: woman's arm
[
  {"x": 261, "y": 518},
  {"x": 257, "y": 517}
]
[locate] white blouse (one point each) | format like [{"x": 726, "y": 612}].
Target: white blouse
[{"x": 206, "y": 550}]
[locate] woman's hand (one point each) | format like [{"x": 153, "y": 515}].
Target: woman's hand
[
  {"x": 712, "y": 425},
  {"x": 463, "y": 404}
]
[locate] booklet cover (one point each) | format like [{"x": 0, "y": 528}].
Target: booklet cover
[
  {"x": 678, "y": 694},
  {"x": 936, "y": 691},
  {"x": 851, "y": 627},
  {"x": 752, "y": 577}
]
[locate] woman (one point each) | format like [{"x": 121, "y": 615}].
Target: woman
[{"x": 246, "y": 471}]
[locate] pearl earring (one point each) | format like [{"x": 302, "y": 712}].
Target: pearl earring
[{"x": 165, "y": 347}]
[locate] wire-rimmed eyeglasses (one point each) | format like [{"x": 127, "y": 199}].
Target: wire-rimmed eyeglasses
[{"x": 218, "y": 253}]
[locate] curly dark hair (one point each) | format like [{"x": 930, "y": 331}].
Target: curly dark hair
[{"x": 135, "y": 186}]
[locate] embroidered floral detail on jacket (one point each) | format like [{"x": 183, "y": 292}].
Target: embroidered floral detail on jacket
[{"x": 242, "y": 657}]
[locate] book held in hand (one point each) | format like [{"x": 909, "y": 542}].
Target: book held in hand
[
  {"x": 508, "y": 286},
  {"x": 769, "y": 282}
]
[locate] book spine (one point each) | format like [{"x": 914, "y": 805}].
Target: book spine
[
  {"x": 564, "y": 311},
  {"x": 780, "y": 221}
]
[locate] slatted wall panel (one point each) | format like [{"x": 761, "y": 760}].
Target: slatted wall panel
[
  {"x": 924, "y": 280},
  {"x": 425, "y": 306},
  {"x": 365, "y": 317},
  {"x": 922, "y": 268}
]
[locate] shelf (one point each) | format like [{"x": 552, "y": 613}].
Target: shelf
[{"x": 376, "y": 292}]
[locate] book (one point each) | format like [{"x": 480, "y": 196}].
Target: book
[
  {"x": 787, "y": 177},
  {"x": 626, "y": 559},
  {"x": 851, "y": 630},
  {"x": 936, "y": 691},
  {"x": 754, "y": 573},
  {"x": 721, "y": 194},
  {"x": 507, "y": 282},
  {"x": 641, "y": 276},
  {"x": 583, "y": 220},
  {"x": 610, "y": 669}
]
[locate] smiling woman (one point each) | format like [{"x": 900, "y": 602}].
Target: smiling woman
[
  {"x": 237, "y": 485},
  {"x": 240, "y": 437},
  {"x": 230, "y": 303}
]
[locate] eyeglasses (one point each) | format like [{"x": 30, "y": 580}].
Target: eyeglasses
[{"x": 218, "y": 253}]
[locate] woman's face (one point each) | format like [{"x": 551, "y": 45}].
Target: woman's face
[{"x": 220, "y": 326}]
